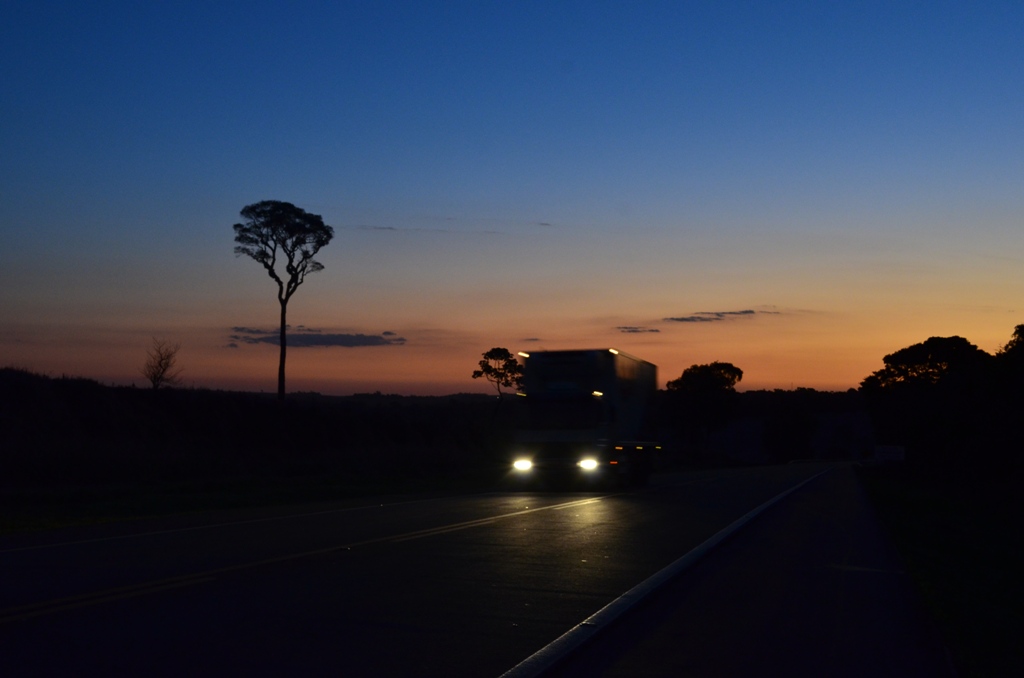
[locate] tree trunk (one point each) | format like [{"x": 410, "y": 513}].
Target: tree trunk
[{"x": 284, "y": 346}]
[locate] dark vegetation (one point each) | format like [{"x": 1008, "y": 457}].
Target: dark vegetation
[
  {"x": 954, "y": 506},
  {"x": 74, "y": 447},
  {"x": 964, "y": 553}
]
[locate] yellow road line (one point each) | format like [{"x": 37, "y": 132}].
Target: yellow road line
[{"x": 22, "y": 612}]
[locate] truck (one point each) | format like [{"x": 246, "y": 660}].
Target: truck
[{"x": 587, "y": 418}]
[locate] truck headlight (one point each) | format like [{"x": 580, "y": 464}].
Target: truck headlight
[
  {"x": 522, "y": 465},
  {"x": 588, "y": 464}
]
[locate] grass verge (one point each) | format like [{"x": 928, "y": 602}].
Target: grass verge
[{"x": 965, "y": 557}]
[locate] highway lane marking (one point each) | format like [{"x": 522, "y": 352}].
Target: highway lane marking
[
  {"x": 481, "y": 521},
  {"x": 85, "y": 600},
  {"x": 444, "y": 530},
  {"x": 214, "y": 525},
  {"x": 858, "y": 568},
  {"x": 22, "y": 612},
  {"x": 541, "y": 661}
]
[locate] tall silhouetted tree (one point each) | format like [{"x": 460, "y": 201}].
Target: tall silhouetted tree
[
  {"x": 161, "y": 360},
  {"x": 279, "y": 234},
  {"x": 501, "y": 368}
]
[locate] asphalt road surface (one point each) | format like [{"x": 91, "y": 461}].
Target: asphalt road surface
[{"x": 442, "y": 586}]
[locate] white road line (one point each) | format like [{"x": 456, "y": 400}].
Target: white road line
[{"x": 548, "y": 656}]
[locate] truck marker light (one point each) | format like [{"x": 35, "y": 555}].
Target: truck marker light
[
  {"x": 618, "y": 447},
  {"x": 613, "y": 461},
  {"x": 639, "y": 447}
]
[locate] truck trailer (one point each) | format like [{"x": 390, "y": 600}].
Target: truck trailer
[{"x": 587, "y": 418}]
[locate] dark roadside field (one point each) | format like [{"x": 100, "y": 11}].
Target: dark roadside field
[
  {"x": 960, "y": 540},
  {"x": 31, "y": 509},
  {"x": 73, "y": 451}
]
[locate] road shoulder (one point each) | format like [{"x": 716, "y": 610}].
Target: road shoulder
[{"x": 811, "y": 588}]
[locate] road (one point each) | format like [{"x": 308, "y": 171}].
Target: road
[{"x": 436, "y": 586}]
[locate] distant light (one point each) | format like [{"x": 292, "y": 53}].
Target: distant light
[
  {"x": 520, "y": 393},
  {"x": 522, "y": 465},
  {"x": 524, "y": 354},
  {"x": 597, "y": 394},
  {"x": 613, "y": 351},
  {"x": 613, "y": 461},
  {"x": 588, "y": 464}
]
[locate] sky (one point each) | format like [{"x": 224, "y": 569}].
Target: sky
[{"x": 798, "y": 188}]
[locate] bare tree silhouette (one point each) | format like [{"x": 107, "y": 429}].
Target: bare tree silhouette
[
  {"x": 274, "y": 230},
  {"x": 161, "y": 362}
]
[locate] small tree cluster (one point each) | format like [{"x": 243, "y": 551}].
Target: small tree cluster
[
  {"x": 711, "y": 378},
  {"x": 950, "y": 402}
]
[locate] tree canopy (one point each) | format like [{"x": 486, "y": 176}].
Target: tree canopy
[
  {"x": 1015, "y": 347},
  {"x": 716, "y": 376},
  {"x": 500, "y": 368},
  {"x": 932, "y": 362},
  {"x": 279, "y": 234},
  {"x": 702, "y": 399}
]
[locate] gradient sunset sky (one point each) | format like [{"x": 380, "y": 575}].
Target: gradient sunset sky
[{"x": 798, "y": 188}]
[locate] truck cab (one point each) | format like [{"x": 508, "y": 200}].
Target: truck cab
[{"x": 586, "y": 417}]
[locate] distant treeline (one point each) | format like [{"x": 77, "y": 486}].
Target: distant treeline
[
  {"x": 74, "y": 431},
  {"x": 953, "y": 407}
]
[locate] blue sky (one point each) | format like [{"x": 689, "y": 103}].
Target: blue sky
[{"x": 502, "y": 172}]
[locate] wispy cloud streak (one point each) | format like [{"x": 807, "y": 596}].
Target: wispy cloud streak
[
  {"x": 713, "y": 316},
  {"x": 636, "y": 329},
  {"x": 307, "y": 338}
]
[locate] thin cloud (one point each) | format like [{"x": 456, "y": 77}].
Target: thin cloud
[
  {"x": 713, "y": 316},
  {"x": 417, "y": 229},
  {"x": 307, "y": 338},
  {"x": 253, "y": 330},
  {"x": 636, "y": 329}
]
